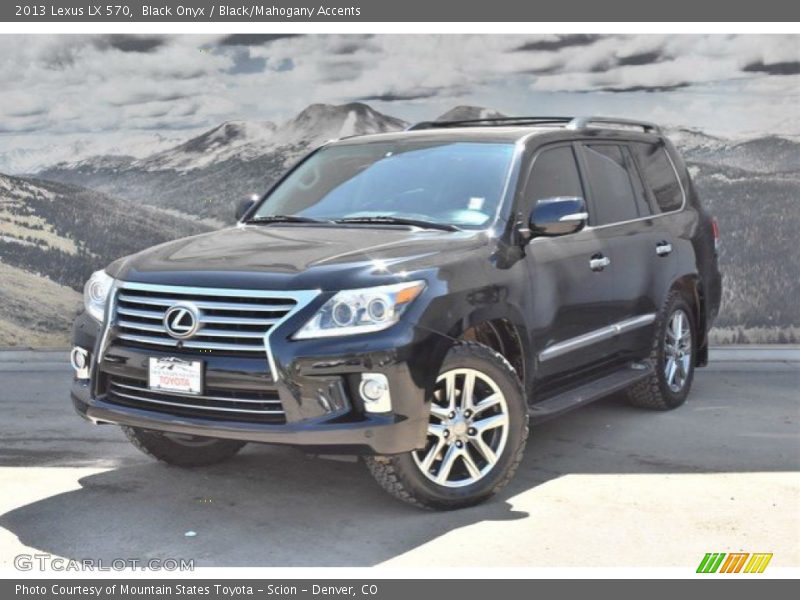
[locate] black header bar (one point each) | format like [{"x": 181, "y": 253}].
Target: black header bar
[{"x": 204, "y": 11}]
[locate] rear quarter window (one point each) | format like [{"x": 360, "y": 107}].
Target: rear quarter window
[{"x": 659, "y": 175}]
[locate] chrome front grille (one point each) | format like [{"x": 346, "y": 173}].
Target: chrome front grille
[
  {"x": 230, "y": 321},
  {"x": 220, "y": 403}
]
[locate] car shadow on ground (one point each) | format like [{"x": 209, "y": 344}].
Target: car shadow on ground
[
  {"x": 273, "y": 506},
  {"x": 267, "y": 506}
]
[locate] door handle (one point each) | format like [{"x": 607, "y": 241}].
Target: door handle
[
  {"x": 598, "y": 262},
  {"x": 663, "y": 248}
]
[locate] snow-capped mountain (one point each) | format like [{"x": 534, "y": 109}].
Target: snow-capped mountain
[
  {"x": 233, "y": 139},
  {"x": 75, "y": 149},
  {"x": 207, "y": 174},
  {"x": 467, "y": 112},
  {"x": 248, "y": 140},
  {"x": 319, "y": 123},
  {"x": 759, "y": 154},
  {"x": 689, "y": 138}
]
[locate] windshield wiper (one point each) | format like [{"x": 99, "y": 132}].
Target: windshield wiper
[
  {"x": 389, "y": 220},
  {"x": 284, "y": 219}
]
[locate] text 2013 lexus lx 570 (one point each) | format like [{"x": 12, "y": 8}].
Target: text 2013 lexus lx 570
[{"x": 414, "y": 298}]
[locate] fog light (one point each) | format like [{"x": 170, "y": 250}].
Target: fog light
[
  {"x": 79, "y": 358},
  {"x": 374, "y": 390}
]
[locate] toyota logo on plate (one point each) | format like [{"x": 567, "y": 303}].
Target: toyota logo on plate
[{"x": 182, "y": 320}]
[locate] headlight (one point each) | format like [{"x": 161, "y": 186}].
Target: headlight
[
  {"x": 95, "y": 294},
  {"x": 361, "y": 311}
]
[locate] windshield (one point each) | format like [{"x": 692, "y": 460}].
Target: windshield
[{"x": 454, "y": 183}]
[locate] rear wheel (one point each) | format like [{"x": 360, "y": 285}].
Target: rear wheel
[
  {"x": 477, "y": 431},
  {"x": 672, "y": 354},
  {"x": 182, "y": 450}
]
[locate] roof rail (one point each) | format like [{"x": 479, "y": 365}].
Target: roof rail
[
  {"x": 566, "y": 122},
  {"x": 491, "y": 122},
  {"x": 585, "y": 122}
]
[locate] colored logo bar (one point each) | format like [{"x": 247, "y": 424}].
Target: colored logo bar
[{"x": 734, "y": 562}]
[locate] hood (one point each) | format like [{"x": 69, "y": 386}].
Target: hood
[{"x": 297, "y": 257}]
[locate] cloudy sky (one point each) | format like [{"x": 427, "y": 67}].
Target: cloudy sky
[{"x": 125, "y": 88}]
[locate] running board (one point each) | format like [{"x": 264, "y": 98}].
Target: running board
[{"x": 589, "y": 392}]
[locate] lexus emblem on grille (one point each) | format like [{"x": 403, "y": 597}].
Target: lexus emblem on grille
[{"x": 182, "y": 320}]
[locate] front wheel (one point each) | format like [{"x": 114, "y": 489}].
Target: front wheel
[{"x": 477, "y": 430}]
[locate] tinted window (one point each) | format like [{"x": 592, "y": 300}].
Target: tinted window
[
  {"x": 459, "y": 183},
  {"x": 638, "y": 187},
  {"x": 612, "y": 191},
  {"x": 659, "y": 175},
  {"x": 554, "y": 174}
]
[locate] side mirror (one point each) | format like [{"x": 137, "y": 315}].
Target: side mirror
[
  {"x": 243, "y": 207},
  {"x": 558, "y": 216}
]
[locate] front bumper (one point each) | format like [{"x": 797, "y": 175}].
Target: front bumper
[{"x": 317, "y": 386}]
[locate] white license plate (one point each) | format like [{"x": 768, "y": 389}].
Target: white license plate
[{"x": 176, "y": 375}]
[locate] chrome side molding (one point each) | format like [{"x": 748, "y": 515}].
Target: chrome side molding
[{"x": 598, "y": 335}]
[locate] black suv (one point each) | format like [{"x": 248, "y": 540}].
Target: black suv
[{"x": 414, "y": 298}]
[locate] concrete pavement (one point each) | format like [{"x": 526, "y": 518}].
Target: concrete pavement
[{"x": 607, "y": 485}]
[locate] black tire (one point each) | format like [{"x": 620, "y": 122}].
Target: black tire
[
  {"x": 400, "y": 474},
  {"x": 180, "y": 450},
  {"x": 655, "y": 393}
]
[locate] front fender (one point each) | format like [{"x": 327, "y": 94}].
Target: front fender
[{"x": 459, "y": 312}]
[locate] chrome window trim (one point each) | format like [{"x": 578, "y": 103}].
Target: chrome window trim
[
  {"x": 302, "y": 298},
  {"x": 598, "y": 335},
  {"x": 590, "y": 228}
]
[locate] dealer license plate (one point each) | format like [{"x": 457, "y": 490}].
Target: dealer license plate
[{"x": 176, "y": 375}]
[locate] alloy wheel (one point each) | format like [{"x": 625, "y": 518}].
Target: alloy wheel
[
  {"x": 677, "y": 351},
  {"x": 467, "y": 430}
]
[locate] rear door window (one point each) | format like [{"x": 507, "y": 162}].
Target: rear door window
[
  {"x": 659, "y": 175},
  {"x": 613, "y": 194}
]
